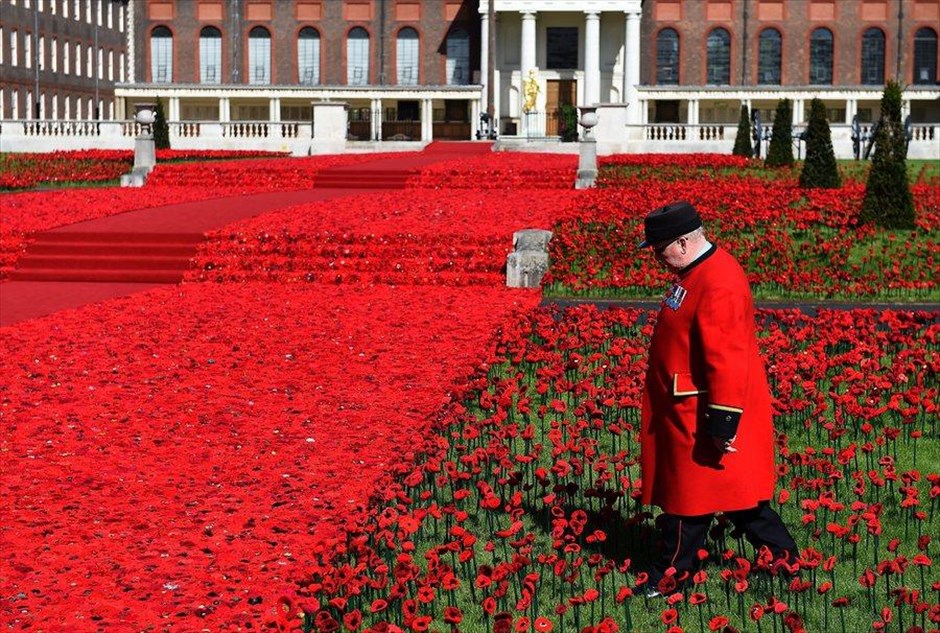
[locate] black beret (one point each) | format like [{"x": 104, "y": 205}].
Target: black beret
[{"x": 670, "y": 222}]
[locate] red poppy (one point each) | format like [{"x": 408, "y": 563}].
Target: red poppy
[
  {"x": 668, "y": 616},
  {"x": 717, "y": 623},
  {"x": 543, "y": 624}
]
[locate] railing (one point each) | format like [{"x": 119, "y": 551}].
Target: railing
[
  {"x": 401, "y": 130},
  {"x": 246, "y": 129},
  {"x": 61, "y": 128},
  {"x": 34, "y": 135},
  {"x": 186, "y": 130},
  {"x": 667, "y": 132}
]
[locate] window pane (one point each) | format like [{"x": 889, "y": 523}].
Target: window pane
[
  {"x": 308, "y": 56},
  {"x": 820, "y": 57},
  {"x": 210, "y": 55},
  {"x": 259, "y": 56},
  {"x": 561, "y": 47},
  {"x": 769, "y": 57},
  {"x": 357, "y": 57},
  {"x": 719, "y": 57},
  {"x": 161, "y": 55},
  {"x": 667, "y": 57},
  {"x": 873, "y": 57},
  {"x": 458, "y": 58},
  {"x": 925, "y": 56},
  {"x": 406, "y": 57}
]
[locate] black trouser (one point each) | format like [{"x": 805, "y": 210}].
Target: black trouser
[{"x": 684, "y": 536}]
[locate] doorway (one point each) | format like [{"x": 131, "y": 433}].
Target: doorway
[{"x": 560, "y": 96}]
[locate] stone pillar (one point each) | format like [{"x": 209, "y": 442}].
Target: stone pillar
[
  {"x": 274, "y": 109},
  {"x": 376, "y": 120},
  {"x": 851, "y": 109},
  {"x": 592, "y": 57},
  {"x": 484, "y": 58},
  {"x": 330, "y": 122},
  {"x": 631, "y": 64},
  {"x": 427, "y": 121},
  {"x": 693, "y": 112},
  {"x": 587, "y": 152},
  {"x": 527, "y": 56},
  {"x": 225, "y": 110},
  {"x": 174, "y": 109},
  {"x": 528, "y": 262}
]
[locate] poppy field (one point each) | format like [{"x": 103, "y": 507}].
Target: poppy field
[{"x": 341, "y": 421}]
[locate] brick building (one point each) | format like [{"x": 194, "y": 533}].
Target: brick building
[
  {"x": 70, "y": 53},
  {"x": 667, "y": 75}
]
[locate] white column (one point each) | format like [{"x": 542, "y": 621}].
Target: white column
[
  {"x": 636, "y": 112},
  {"x": 174, "y": 109},
  {"x": 225, "y": 110},
  {"x": 274, "y": 109},
  {"x": 131, "y": 42},
  {"x": 851, "y": 109},
  {"x": 427, "y": 121},
  {"x": 693, "y": 112},
  {"x": 798, "y": 105},
  {"x": 484, "y": 58},
  {"x": 527, "y": 56},
  {"x": 592, "y": 57},
  {"x": 475, "y": 113},
  {"x": 376, "y": 119}
]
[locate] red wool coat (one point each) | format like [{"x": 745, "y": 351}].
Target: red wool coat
[{"x": 704, "y": 352}]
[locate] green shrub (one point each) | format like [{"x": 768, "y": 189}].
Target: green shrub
[
  {"x": 780, "y": 153},
  {"x": 742, "y": 142},
  {"x": 888, "y": 201},
  {"x": 161, "y": 131},
  {"x": 820, "y": 170},
  {"x": 569, "y": 124}
]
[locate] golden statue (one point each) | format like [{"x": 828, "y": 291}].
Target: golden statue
[{"x": 530, "y": 90}]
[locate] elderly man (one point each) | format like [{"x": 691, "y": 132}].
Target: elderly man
[{"x": 707, "y": 429}]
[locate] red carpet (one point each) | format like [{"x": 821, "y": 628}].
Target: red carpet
[{"x": 116, "y": 255}]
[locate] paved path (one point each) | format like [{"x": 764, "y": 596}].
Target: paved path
[{"x": 23, "y": 300}]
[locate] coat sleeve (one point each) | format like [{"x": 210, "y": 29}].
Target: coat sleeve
[{"x": 725, "y": 337}]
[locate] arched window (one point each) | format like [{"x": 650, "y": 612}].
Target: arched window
[
  {"x": 719, "y": 57},
  {"x": 406, "y": 57},
  {"x": 357, "y": 57},
  {"x": 667, "y": 57},
  {"x": 308, "y": 56},
  {"x": 210, "y": 55},
  {"x": 458, "y": 58},
  {"x": 925, "y": 56},
  {"x": 769, "y": 57},
  {"x": 873, "y": 57},
  {"x": 259, "y": 56},
  {"x": 820, "y": 57},
  {"x": 161, "y": 56}
]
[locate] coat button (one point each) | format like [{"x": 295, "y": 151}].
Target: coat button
[{"x": 727, "y": 418}]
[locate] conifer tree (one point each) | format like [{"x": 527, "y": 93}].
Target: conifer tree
[
  {"x": 780, "y": 153},
  {"x": 820, "y": 170},
  {"x": 161, "y": 130},
  {"x": 888, "y": 200},
  {"x": 742, "y": 142}
]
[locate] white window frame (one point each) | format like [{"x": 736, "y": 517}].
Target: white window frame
[
  {"x": 357, "y": 58},
  {"x": 308, "y": 58},
  {"x": 210, "y": 56},
  {"x": 458, "y": 59},
  {"x": 259, "y": 58},
  {"x": 407, "y": 57},
  {"x": 161, "y": 58}
]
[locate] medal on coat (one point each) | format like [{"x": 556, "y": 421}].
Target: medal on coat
[{"x": 674, "y": 297}]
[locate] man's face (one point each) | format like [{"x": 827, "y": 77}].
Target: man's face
[{"x": 672, "y": 253}]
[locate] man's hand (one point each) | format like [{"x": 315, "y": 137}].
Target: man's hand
[{"x": 725, "y": 445}]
